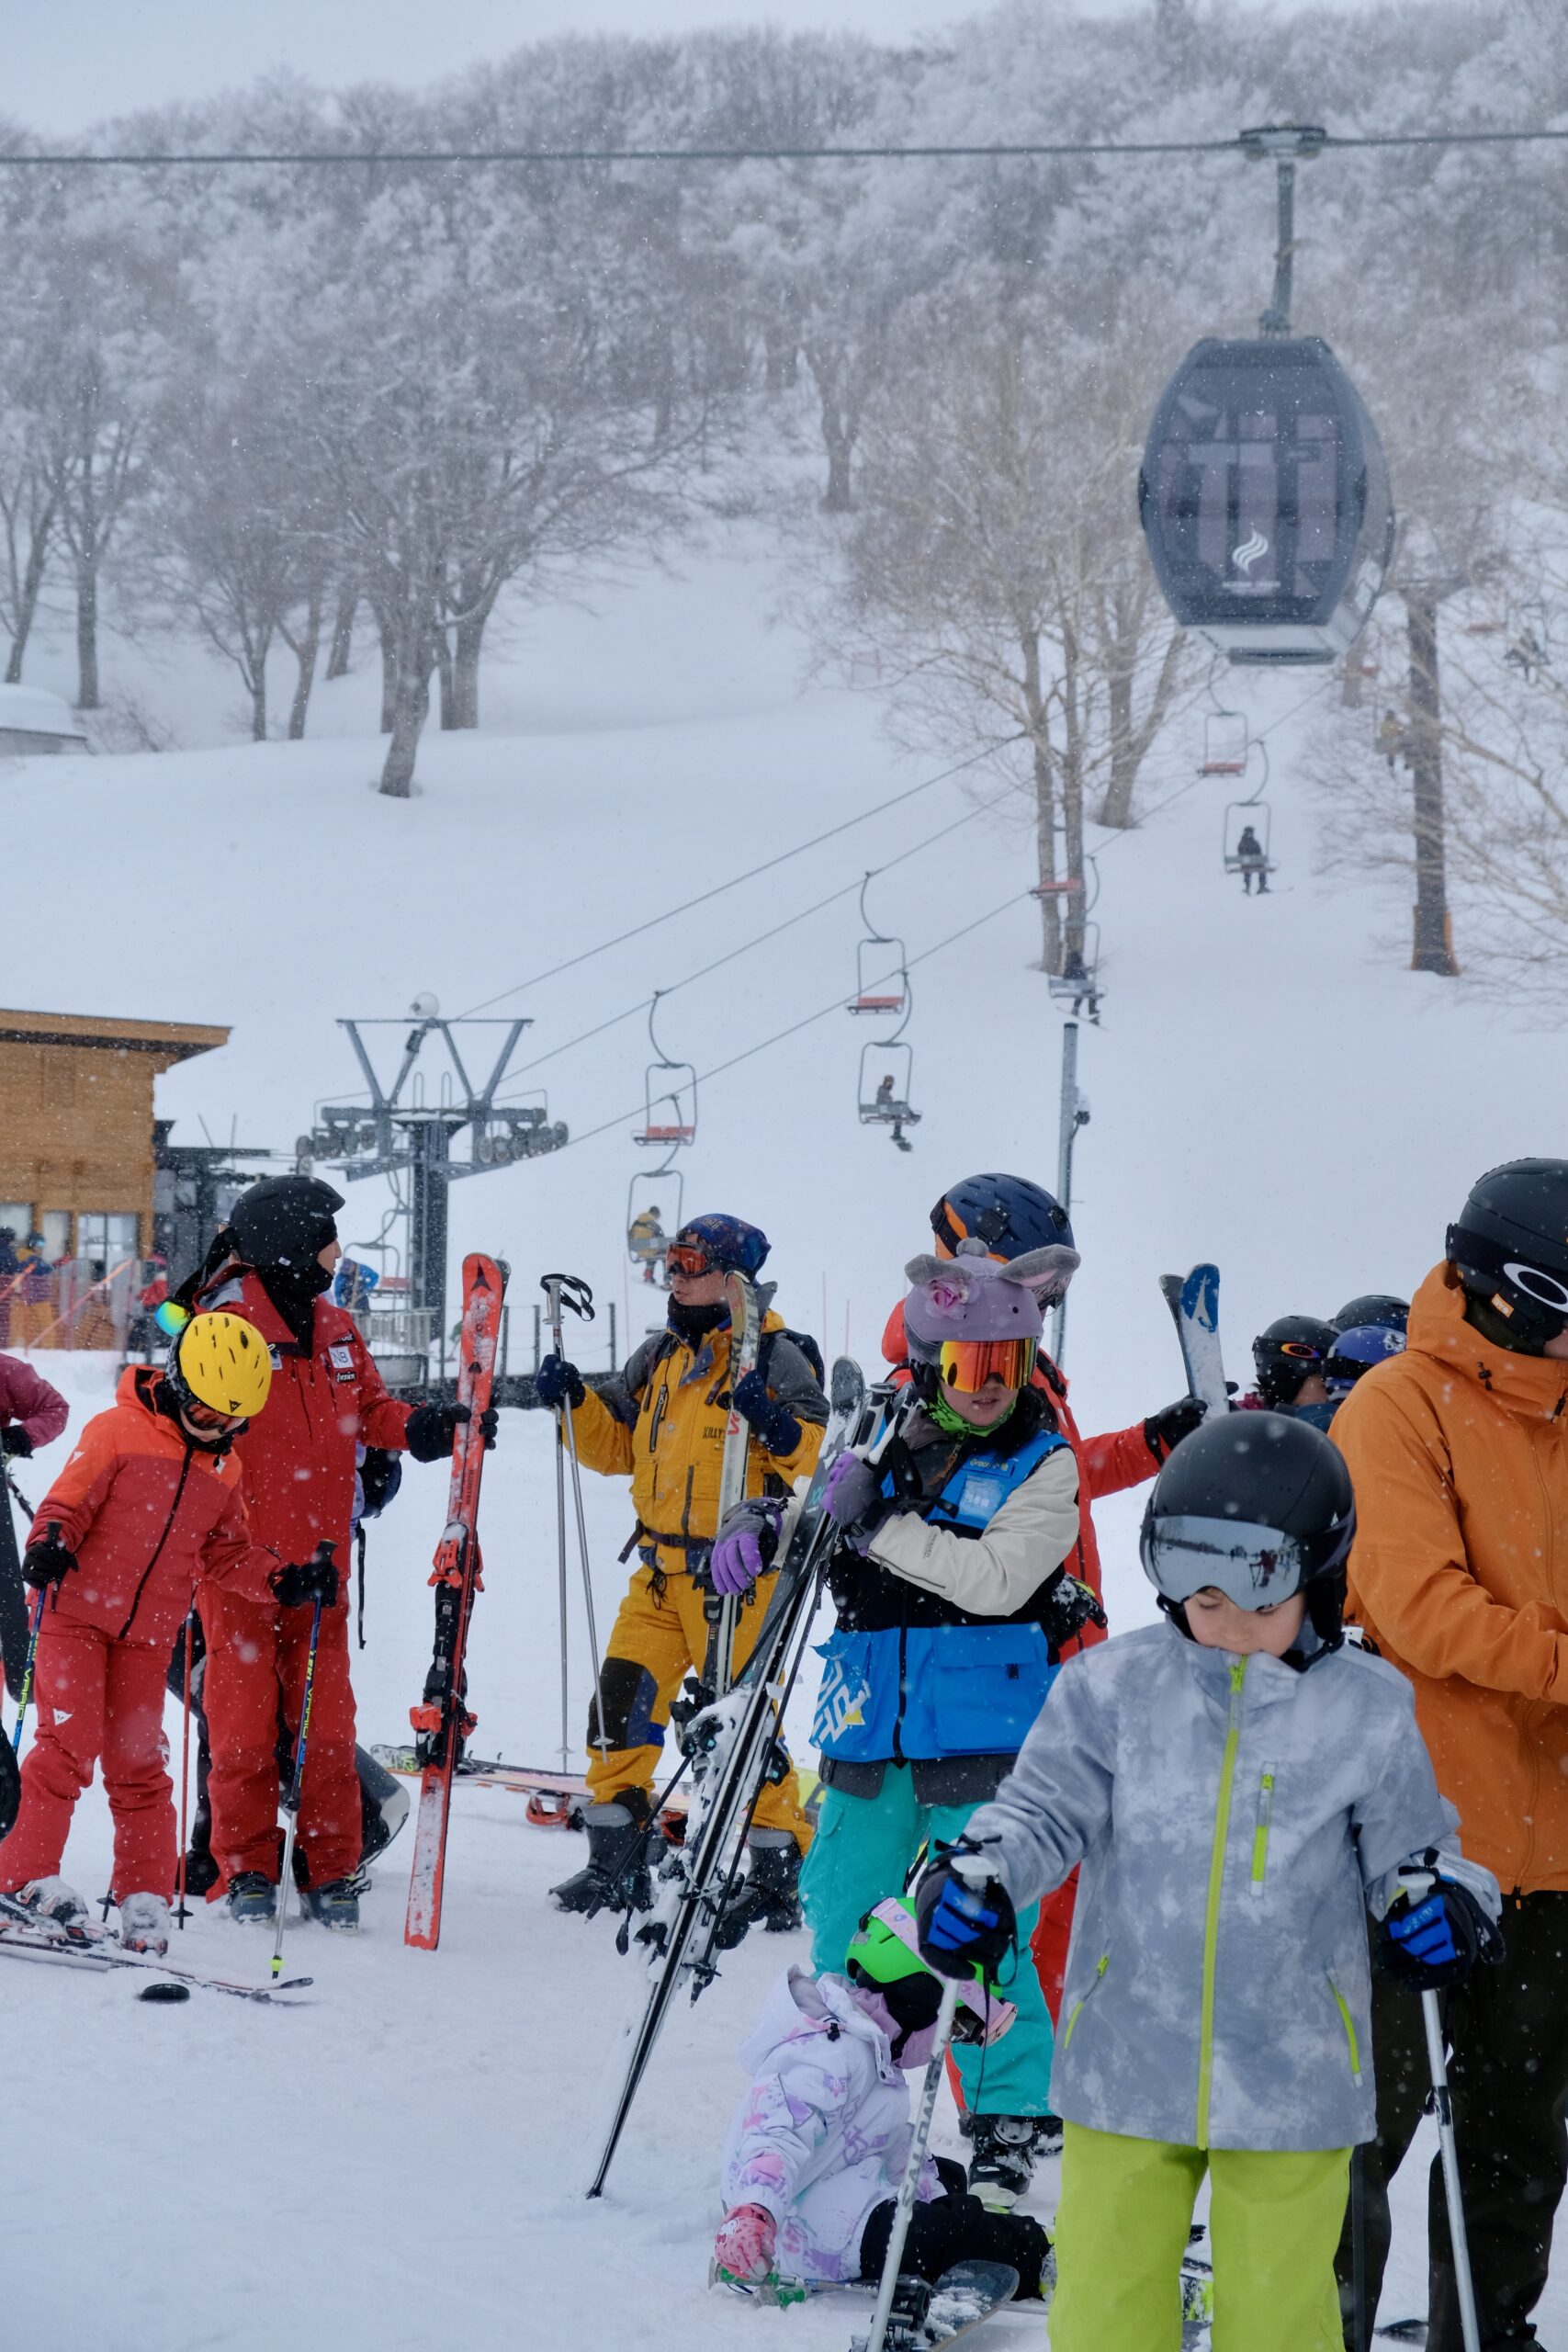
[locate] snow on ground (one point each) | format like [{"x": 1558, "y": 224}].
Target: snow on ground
[{"x": 1267, "y": 1088}]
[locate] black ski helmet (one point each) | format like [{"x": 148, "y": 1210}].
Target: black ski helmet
[
  {"x": 1510, "y": 1249},
  {"x": 285, "y": 1221},
  {"x": 1374, "y": 1306},
  {"x": 1259, "y": 1505},
  {"x": 1289, "y": 1352}
]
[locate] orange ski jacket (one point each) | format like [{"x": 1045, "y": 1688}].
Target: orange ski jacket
[{"x": 1459, "y": 1575}]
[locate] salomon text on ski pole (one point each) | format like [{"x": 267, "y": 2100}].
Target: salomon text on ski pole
[
  {"x": 570, "y": 1291},
  {"x": 291, "y": 1801}
]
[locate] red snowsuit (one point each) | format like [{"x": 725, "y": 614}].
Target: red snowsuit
[
  {"x": 1107, "y": 1465},
  {"x": 148, "y": 1516},
  {"x": 297, "y": 1462},
  {"x": 40, "y": 1409}
]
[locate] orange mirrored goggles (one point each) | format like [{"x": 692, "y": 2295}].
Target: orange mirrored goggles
[
  {"x": 968, "y": 1365},
  {"x": 688, "y": 1258}
]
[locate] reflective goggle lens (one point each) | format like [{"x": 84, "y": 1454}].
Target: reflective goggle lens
[
  {"x": 968, "y": 1365},
  {"x": 1302, "y": 1350},
  {"x": 688, "y": 1258}
]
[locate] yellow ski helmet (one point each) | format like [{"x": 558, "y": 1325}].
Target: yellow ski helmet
[{"x": 223, "y": 1364}]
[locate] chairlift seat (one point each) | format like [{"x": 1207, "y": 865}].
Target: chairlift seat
[
  {"x": 888, "y": 1115},
  {"x": 657, "y": 1134},
  {"x": 877, "y": 1004}
]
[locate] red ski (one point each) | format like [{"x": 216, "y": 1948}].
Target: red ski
[{"x": 441, "y": 1721}]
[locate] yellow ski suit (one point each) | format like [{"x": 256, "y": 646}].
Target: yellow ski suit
[{"x": 662, "y": 1421}]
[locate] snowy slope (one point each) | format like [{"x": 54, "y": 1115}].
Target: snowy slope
[{"x": 1267, "y": 1088}]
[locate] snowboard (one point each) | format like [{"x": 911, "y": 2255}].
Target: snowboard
[{"x": 1194, "y": 1303}]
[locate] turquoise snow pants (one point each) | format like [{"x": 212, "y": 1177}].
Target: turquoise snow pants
[{"x": 862, "y": 1848}]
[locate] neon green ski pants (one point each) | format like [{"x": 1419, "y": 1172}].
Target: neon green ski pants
[{"x": 1274, "y": 2221}]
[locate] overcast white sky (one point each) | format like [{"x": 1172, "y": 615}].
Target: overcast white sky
[{"x": 64, "y": 63}]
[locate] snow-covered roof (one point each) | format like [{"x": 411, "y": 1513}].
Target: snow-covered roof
[{"x": 28, "y": 710}]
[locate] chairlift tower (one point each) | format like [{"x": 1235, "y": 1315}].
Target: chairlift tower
[{"x": 399, "y": 1133}]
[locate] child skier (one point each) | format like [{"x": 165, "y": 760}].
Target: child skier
[
  {"x": 1239, "y": 1788},
  {"x": 147, "y": 1504},
  {"x": 817, "y": 2151}
]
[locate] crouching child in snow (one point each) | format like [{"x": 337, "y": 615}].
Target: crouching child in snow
[
  {"x": 1240, "y": 1789},
  {"x": 816, "y": 2153},
  {"x": 147, "y": 1505}
]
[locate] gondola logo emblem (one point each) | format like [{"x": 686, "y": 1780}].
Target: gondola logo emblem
[{"x": 1250, "y": 551}]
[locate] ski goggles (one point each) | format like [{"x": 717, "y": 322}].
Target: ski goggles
[
  {"x": 690, "y": 1258},
  {"x": 1300, "y": 1352},
  {"x": 968, "y": 1365},
  {"x": 980, "y": 2018},
  {"x": 1255, "y": 1566}
]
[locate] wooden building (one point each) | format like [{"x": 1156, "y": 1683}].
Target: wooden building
[{"x": 77, "y": 1137}]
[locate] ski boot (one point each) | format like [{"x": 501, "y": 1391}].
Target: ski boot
[
  {"x": 335, "y": 1904},
  {"x": 1048, "y": 2137},
  {"x": 383, "y": 1807},
  {"x": 54, "y": 1898},
  {"x": 144, "y": 1924},
  {"x": 616, "y": 1876},
  {"x": 252, "y": 1900},
  {"x": 770, "y": 1892},
  {"x": 1003, "y": 2163}
]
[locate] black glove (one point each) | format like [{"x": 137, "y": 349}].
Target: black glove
[
  {"x": 963, "y": 1916},
  {"x": 1164, "y": 1431},
  {"x": 380, "y": 1475},
  {"x": 558, "y": 1383},
  {"x": 1067, "y": 1606},
  {"x": 298, "y": 1585},
  {"x": 46, "y": 1560},
  {"x": 432, "y": 1430},
  {"x": 14, "y": 1439},
  {"x": 1434, "y": 1931},
  {"x": 774, "y": 1424}
]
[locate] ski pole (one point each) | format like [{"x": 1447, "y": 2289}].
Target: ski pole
[
  {"x": 185, "y": 1771},
  {"x": 909, "y": 2188},
  {"x": 19, "y": 1496},
  {"x": 570, "y": 1291},
  {"x": 34, "y": 1629},
  {"x": 291, "y": 1801},
  {"x": 1442, "y": 2107}
]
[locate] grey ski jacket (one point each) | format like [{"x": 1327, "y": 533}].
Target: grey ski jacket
[{"x": 1234, "y": 1819}]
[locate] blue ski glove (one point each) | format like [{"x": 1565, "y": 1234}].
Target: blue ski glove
[
  {"x": 853, "y": 1499},
  {"x": 558, "y": 1383},
  {"x": 1435, "y": 1932},
  {"x": 963, "y": 1916},
  {"x": 772, "y": 1424},
  {"x": 745, "y": 1546}
]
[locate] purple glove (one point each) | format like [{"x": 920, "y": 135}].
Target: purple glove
[
  {"x": 853, "y": 1499},
  {"x": 745, "y": 1546}
]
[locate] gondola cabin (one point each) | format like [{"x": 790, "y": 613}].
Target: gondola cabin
[{"x": 1264, "y": 496}]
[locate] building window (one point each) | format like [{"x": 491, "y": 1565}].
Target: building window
[{"x": 105, "y": 1235}]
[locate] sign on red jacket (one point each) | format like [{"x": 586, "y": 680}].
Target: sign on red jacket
[
  {"x": 298, "y": 1455},
  {"x": 147, "y": 1513}
]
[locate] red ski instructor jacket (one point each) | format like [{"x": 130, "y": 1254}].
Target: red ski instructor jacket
[{"x": 296, "y": 1459}]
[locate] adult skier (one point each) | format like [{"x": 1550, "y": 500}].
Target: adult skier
[
  {"x": 953, "y": 1604},
  {"x": 1012, "y": 1217},
  {"x": 271, "y": 1265},
  {"x": 1459, "y": 1450},
  {"x": 148, "y": 1507},
  {"x": 1252, "y": 861},
  {"x": 32, "y": 1412},
  {"x": 815, "y": 2155},
  {"x": 661, "y": 1418},
  {"x": 1239, "y": 1788}
]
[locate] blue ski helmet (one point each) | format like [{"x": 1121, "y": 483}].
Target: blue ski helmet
[
  {"x": 730, "y": 1242},
  {"x": 1008, "y": 1213},
  {"x": 1356, "y": 1350}
]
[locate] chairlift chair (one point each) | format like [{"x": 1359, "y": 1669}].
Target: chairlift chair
[
  {"x": 1077, "y": 983},
  {"x": 880, "y": 982},
  {"x": 886, "y": 1073},
  {"x": 1239, "y": 815},
  {"x": 1224, "y": 743},
  {"x": 670, "y": 1097},
  {"x": 659, "y": 1193}
]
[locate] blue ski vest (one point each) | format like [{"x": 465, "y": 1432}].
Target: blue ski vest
[{"x": 913, "y": 1691}]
